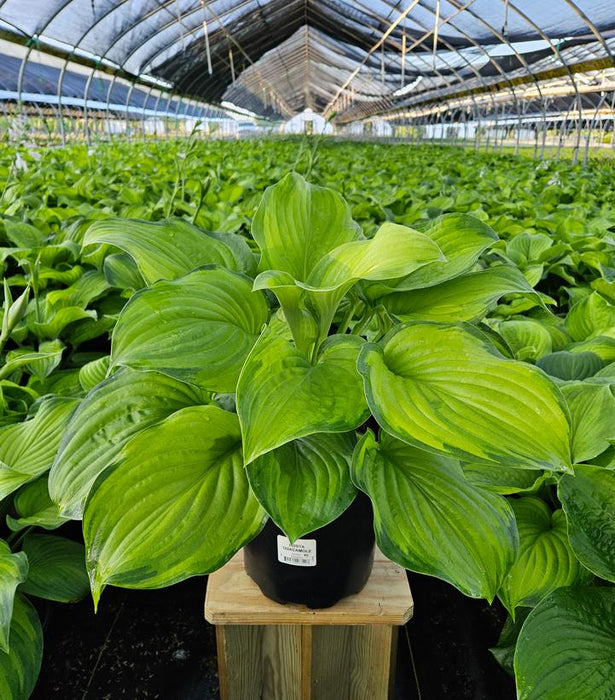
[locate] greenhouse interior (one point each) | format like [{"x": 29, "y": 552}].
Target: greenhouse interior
[{"x": 307, "y": 349}]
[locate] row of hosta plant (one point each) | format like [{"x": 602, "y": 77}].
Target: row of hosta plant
[{"x": 251, "y": 353}]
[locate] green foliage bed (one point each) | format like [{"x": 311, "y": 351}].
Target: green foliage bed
[{"x": 488, "y": 282}]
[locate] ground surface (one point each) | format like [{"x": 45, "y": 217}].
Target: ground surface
[
  {"x": 156, "y": 644},
  {"x": 140, "y": 644}
]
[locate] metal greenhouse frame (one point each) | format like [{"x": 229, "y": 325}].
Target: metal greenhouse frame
[{"x": 487, "y": 73}]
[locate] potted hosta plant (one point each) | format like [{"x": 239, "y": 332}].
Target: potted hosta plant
[{"x": 279, "y": 381}]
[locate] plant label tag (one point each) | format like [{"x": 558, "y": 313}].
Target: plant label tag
[{"x": 301, "y": 553}]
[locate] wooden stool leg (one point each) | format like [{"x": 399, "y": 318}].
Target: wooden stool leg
[
  {"x": 353, "y": 662},
  {"x": 259, "y": 662}
]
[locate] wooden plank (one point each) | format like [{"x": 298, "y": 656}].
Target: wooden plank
[
  {"x": 306, "y": 662},
  {"x": 260, "y": 662},
  {"x": 352, "y": 663},
  {"x": 232, "y": 598}
]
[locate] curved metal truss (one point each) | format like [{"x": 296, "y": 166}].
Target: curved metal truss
[{"x": 406, "y": 59}]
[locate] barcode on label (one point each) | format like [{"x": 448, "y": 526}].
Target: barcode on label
[{"x": 300, "y": 553}]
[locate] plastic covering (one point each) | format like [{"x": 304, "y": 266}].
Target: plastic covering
[{"x": 348, "y": 59}]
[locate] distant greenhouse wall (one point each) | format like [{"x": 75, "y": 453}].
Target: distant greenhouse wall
[{"x": 307, "y": 123}]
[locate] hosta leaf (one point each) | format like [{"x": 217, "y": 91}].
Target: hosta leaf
[
  {"x": 545, "y": 560},
  {"x": 305, "y": 484},
  {"x": 163, "y": 249},
  {"x": 23, "y": 235},
  {"x": 199, "y": 328},
  {"x": 566, "y": 648},
  {"x": 62, "y": 382},
  {"x": 462, "y": 299},
  {"x": 94, "y": 372},
  {"x": 588, "y": 499},
  {"x": 58, "y": 320},
  {"x": 533, "y": 274},
  {"x": 40, "y": 363},
  {"x": 64, "y": 277},
  {"x": 502, "y": 479},
  {"x": 34, "y": 506},
  {"x": 589, "y": 317},
  {"x": 607, "y": 371},
  {"x": 504, "y": 652},
  {"x": 121, "y": 271},
  {"x": 281, "y": 396},
  {"x": 89, "y": 287},
  {"x": 27, "y": 449},
  {"x": 592, "y": 414},
  {"x": 429, "y": 519},
  {"x": 19, "y": 668},
  {"x": 57, "y": 568},
  {"x": 176, "y": 504},
  {"x": 603, "y": 346},
  {"x": 297, "y": 223},
  {"x": 112, "y": 413},
  {"x": 13, "y": 571},
  {"x": 90, "y": 329},
  {"x": 569, "y": 365},
  {"x": 528, "y": 247},
  {"x": 447, "y": 389},
  {"x": 303, "y": 322},
  {"x": 527, "y": 339},
  {"x": 393, "y": 252},
  {"x": 460, "y": 237}
]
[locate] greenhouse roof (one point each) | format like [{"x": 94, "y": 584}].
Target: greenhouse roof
[{"x": 352, "y": 59}]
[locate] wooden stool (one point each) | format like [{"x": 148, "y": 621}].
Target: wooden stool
[{"x": 270, "y": 651}]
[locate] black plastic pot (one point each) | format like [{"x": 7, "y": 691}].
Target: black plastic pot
[{"x": 344, "y": 554}]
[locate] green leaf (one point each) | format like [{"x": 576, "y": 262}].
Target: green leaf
[
  {"x": 460, "y": 237},
  {"x": 588, "y": 499},
  {"x": 297, "y": 223},
  {"x": 504, "y": 652},
  {"x": 23, "y": 235},
  {"x": 570, "y": 366},
  {"x": 281, "y": 396},
  {"x": 199, "y": 328},
  {"x": 176, "y": 504},
  {"x": 57, "y": 568},
  {"x": 462, "y": 299},
  {"x": 40, "y": 363},
  {"x": 603, "y": 346},
  {"x": 89, "y": 287},
  {"x": 607, "y": 371},
  {"x": 94, "y": 372},
  {"x": 394, "y": 251},
  {"x": 528, "y": 339},
  {"x": 592, "y": 415},
  {"x": 27, "y": 449},
  {"x": 302, "y": 321},
  {"x": 566, "y": 648},
  {"x": 35, "y": 507},
  {"x": 112, "y": 413},
  {"x": 502, "y": 479},
  {"x": 527, "y": 247},
  {"x": 447, "y": 389},
  {"x": 305, "y": 484},
  {"x": 429, "y": 519},
  {"x": 13, "y": 571},
  {"x": 590, "y": 316},
  {"x": 545, "y": 560},
  {"x": 121, "y": 271},
  {"x": 57, "y": 321},
  {"x": 164, "y": 249},
  {"x": 19, "y": 668}
]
